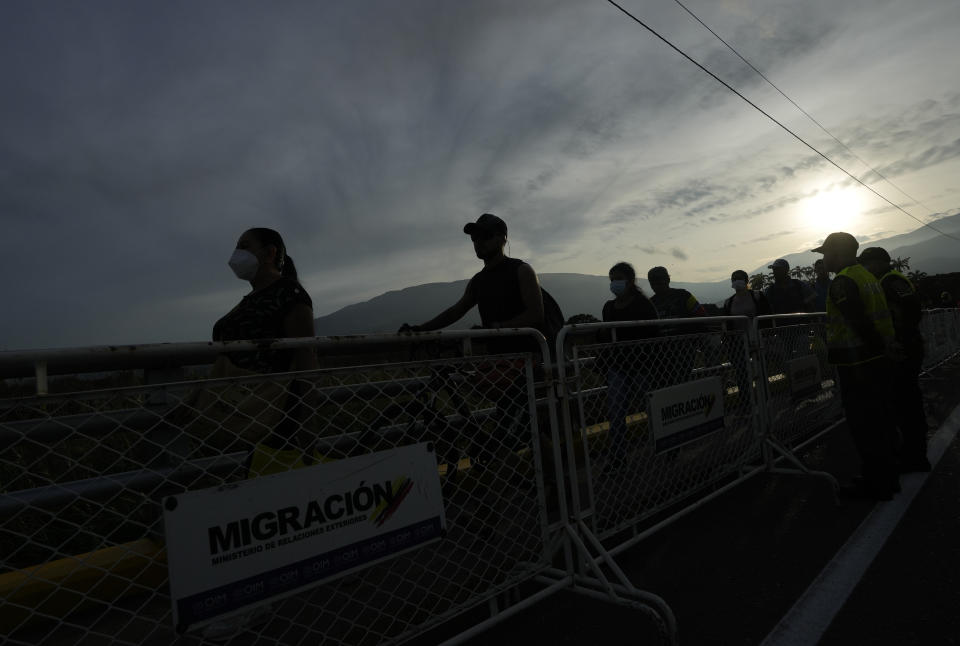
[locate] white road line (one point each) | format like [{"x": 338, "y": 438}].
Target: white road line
[{"x": 811, "y": 615}]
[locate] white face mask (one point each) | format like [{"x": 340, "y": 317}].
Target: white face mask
[
  {"x": 739, "y": 284},
  {"x": 618, "y": 287},
  {"x": 244, "y": 264}
]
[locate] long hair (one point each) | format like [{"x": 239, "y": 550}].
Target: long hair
[
  {"x": 627, "y": 269},
  {"x": 267, "y": 237}
]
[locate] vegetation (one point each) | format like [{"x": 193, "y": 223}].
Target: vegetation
[{"x": 807, "y": 273}]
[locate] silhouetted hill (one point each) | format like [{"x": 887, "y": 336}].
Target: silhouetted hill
[
  {"x": 576, "y": 294},
  {"x": 928, "y": 250},
  {"x": 586, "y": 294}
]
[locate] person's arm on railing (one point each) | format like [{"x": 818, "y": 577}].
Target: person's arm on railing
[{"x": 448, "y": 316}]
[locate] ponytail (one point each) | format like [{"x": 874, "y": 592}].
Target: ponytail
[
  {"x": 269, "y": 237},
  {"x": 289, "y": 270}
]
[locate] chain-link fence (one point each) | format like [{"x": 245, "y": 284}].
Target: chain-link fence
[
  {"x": 84, "y": 475},
  {"x": 654, "y": 422},
  {"x": 801, "y": 395},
  {"x": 940, "y": 329},
  {"x": 657, "y": 419}
]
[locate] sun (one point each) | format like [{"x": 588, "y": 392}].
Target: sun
[{"x": 836, "y": 209}]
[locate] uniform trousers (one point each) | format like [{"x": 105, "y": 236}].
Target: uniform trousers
[{"x": 865, "y": 391}]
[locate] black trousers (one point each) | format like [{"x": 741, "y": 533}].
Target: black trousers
[
  {"x": 907, "y": 404},
  {"x": 865, "y": 391}
]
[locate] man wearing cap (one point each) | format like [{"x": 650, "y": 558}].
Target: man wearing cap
[
  {"x": 788, "y": 295},
  {"x": 907, "y": 401},
  {"x": 506, "y": 290},
  {"x": 859, "y": 333}
]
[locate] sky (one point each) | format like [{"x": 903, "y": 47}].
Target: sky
[{"x": 138, "y": 140}]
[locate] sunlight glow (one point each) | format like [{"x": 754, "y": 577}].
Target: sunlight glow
[{"x": 836, "y": 209}]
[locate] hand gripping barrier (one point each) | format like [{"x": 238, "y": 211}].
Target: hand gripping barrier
[{"x": 85, "y": 474}]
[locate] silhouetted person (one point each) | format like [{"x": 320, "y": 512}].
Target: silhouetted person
[
  {"x": 788, "y": 295},
  {"x": 671, "y": 302},
  {"x": 859, "y": 331},
  {"x": 821, "y": 285},
  {"x": 679, "y": 354},
  {"x": 624, "y": 366},
  {"x": 277, "y": 307},
  {"x": 907, "y": 402},
  {"x": 506, "y": 290},
  {"x": 507, "y": 293},
  {"x": 749, "y": 303},
  {"x": 745, "y": 301}
]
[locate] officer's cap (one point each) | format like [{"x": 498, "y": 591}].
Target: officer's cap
[{"x": 838, "y": 240}]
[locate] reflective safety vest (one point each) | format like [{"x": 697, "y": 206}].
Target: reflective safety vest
[
  {"x": 845, "y": 346},
  {"x": 894, "y": 272}
]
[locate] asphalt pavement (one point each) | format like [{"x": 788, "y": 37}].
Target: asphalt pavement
[{"x": 738, "y": 570}]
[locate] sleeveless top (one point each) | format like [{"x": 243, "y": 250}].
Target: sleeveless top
[
  {"x": 260, "y": 315},
  {"x": 497, "y": 292}
]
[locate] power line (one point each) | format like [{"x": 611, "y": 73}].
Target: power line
[
  {"x": 772, "y": 118},
  {"x": 805, "y": 113}
]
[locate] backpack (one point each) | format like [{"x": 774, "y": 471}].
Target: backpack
[{"x": 552, "y": 319}]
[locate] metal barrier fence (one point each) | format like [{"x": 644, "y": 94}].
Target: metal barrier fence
[
  {"x": 801, "y": 396},
  {"x": 941, "y": 336},
  {"x": 651, "y": 429},
  {"x": 85, "y": 474},
  {"x": 656, "y": 420}
]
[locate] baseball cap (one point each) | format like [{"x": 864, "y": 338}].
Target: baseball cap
[
  {"x": 658, "y": 273},
  {"x": 838, "y": 240},
  {"x": 487, "y": 224},
  {"x": 874, "y": 253},
  {"x": 779, "y": 262}
]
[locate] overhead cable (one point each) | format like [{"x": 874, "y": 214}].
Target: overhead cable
[
  {"x": 772, "y": 118},
  {"x": 805, "y": 113}
]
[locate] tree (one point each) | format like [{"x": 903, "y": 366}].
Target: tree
[
  {"x": 579, "y": 319},
  {"x": 900, "y": 264},
  {"x": 758, "y": 281},
  {"x": 916, "y": 276},
  {"x": 803, "y": 272}
]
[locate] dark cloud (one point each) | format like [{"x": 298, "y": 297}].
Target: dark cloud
[{"x": 138, "y": 140}]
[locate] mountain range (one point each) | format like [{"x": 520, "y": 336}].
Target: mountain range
[{"x": 928, "y": 251}]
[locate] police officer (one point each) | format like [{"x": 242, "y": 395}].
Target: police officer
[
  {"x": 859, "y": 333},
  {"x": 907, "y": 401}
]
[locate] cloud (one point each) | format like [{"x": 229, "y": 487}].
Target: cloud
[{"x": 678, "y": 253}]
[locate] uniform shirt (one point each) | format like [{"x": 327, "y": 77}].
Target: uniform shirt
[
  {"x": 845, "y": 296},
  {"x": 260, "y": 315},
  {"x": 905, "y": 309}
]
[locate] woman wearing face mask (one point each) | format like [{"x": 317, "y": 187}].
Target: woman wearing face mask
[
  {"x": 624, "y": 364},
  {"x": 277, "y": 307}
]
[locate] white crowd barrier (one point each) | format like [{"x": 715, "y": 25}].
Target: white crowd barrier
[
  {"x": 655, "y": 421},
  {"x": 537, "y": 474},
  {"x": 941, "y": 336},
  {"x": 209, "y": 514}
]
